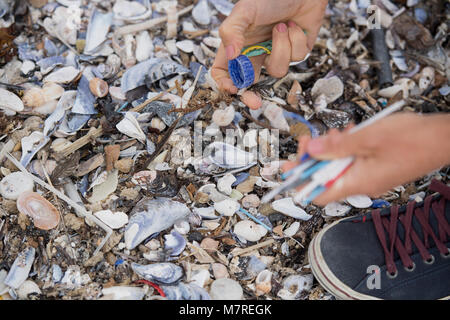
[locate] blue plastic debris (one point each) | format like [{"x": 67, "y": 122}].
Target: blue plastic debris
[
  {"x": 380, "y": 203},
  {"x": 241, "y": 72}
]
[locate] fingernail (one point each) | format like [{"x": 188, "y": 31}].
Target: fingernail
[
  {"x": 292, "y": 24},
  {"x": 315, "y": 146},
  {"x": 230, "y": 52},
  {"x": 281, "y": 27}
]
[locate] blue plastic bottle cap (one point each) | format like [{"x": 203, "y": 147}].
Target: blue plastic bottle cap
[{"x": 241, "y": 72}]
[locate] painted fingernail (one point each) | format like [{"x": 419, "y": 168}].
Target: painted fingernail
[
  {"x": 229, "y": 51},
  {"x": 316, "y": 146},
  {"x": 282, "y": 27}
]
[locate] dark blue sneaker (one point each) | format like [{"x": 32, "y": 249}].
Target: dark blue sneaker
[{"x": 394, "y": 253}]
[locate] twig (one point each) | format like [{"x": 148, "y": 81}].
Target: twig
[
  {"x": 140, "y": 107},
  {"x": 92, "y": 134},
  {"x": 238, "y": 252},
  {"x": 150, "y": 23},
  {"x": 69, "y": 201}
]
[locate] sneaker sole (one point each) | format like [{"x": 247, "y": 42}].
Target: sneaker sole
[{"x": 327, "y": 279}]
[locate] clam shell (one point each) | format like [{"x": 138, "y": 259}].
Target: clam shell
[
  {"x": 186, "y": 46},
  {"x": 286, "y": 206},
  {"x": 44, "y": 215},
  {"x": 332, "y": 88},
  {"x": 150, "y": 216},
  {"x": 27, "y": 288},
  {"x": 294, "y": 285},
  {"x": 161, "y": 273},
  {"x": 20, "y": 268},
  {"x": 14, "y": 184},
  {"x": 335, "y": 209},
  {"x": 224, "y": 183},
  {"x": 229, "y": 157},
  {"x": 34, "y": 97},
  {"x": 63, "y": 75},
  {"x": 98, "y": 87},
  {"x": 359, "y": 201},
  {"x": 10, "y": 102},
  {"x": 227, "y": 207}
]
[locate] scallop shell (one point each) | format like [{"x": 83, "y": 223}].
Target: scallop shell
[
  {"x": 44, "y": 215},
  {"x": 10, "y": 102},
  {"x": 98, "y": 87}
]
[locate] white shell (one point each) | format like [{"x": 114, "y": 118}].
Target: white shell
[
  {"x": 292, "y": 230},
  {"x": 251, "y": 201},
  {"x": 201, "y": 13},
  {"x": 27, "y": 67},
  {"x": 227, "y": 207},
  {"x": 286, "y": 206},
  {"x": 186, "y": 46},
  {"x": 144, "y": 46},
  {"x": 157, "y": 123},
  {"x": 223, "y": 117},
  {"x": 200, "y": 277},
  {"x": 359, "y": 201},
  {"x": 263, "y": 282},
  {"x": 130, "y": 127},
  {"x": 226, "y": 289},
  {"x": 182, "y": 226},
  {"x": 249, "y": 230},
  {"x": 103, "y": 190},
  {"x": 63, "y": 75},
  {"x": 335, "y": 209},
  {"x": 426, "y": 78},
  {"x": 212, "y": 42},
  {"x": 206, "y": 213},
  {"x": 275, "y": 116},
  {"x": 224, "y": 183},
  {"x": 14, "y": 184},
  {"x": 10, "y": 102},
  {"x": 27, "y": 288},
  {"x": 332, "y": 88},
  {"x": 123, "y": 293},
  {"x": 294, "y": 285},
  {"x": 115, "y": 220}
]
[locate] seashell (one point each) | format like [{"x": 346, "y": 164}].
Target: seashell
[
  {"x": 286, "y": 206},
  {"x": 97, "y": 31},
  {"x": 161, "y": 273},
  {"x": 227, "y": 207},
  {"x": 182, "y": 227},
  {"x": 150, "y": 216},
  {"x": 206, "y": 213},
  {"x": 426, "y": 78},
  {"x": 87, "y": 166},
  {"x": 224, "y": 183},
  {"x": 144, "y": 178},
  {"x": 212, "y": 42},
  {"x": 27, "y": 67},
  {"x": 84, "y": 102},
  {"x": 47, "y": 108},
  {"x": 275, "y": 116},
  {"x": 131, "y": 10},
  {"x": 223, "y": 6},
  {"x": 219, "y": 271},
  {"x": 263, "y": 282},
  {"x": 335, "y": 209},
  {"x": 201, "y": 13},
  {"x": 292, "y": 230},
  {"x": 57, "y": 273},
  {"x": 36, "y": 168},
  {"x": 294, "y": 285},
  {"x": 223, "y": 117},
  {"x": 54, "y": 120},
  {"x": 174, "y": 243},
  {"x": 130, "y": 127},
  {"x": 44, "y": 215},
  {"x": 111, "y": 67},
  {"x": 101, "y": 191},
  {"x": 98, "y": 87},
  {"x": 294, "y": 93},
  {"x": 10, "y": 103},
  {"x": 14, "y": 184},
  {"x": 226, "y": 289},
  {"x": 186, "y": 46},
  {"x": 249, "y": 230},
  {"x": 229, "y": 157},
  {"x": 200, "y": 277},
  {"x": 117, "y": 94},
  {"x": 250, "y": 139},
  {"x": 124, "y": 165},
  {"x": 251, "y": 201},
  {"x": 46, "y": 65},
  {"x": 123, "y": 293},
  {"x": 115, "y": 220},
  {"x": 63, "y": 75},
  {"x": 359, "y": 201},
  {"x": 150, "y": 71},
  {"x": 144, "y": 46},
  {"x": 28, "y": 288},
  {"x": 185, "y": 291},
  {"x": 157, "y": 123},
  {"x": 20, "y": 269},
  {"x": 31, "y": 145},
  {"x": 3, "y": 286},
  {"x": 332, "y": 88}
]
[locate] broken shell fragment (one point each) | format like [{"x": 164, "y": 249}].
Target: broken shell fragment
[
  {"x": 227, "y": 207},
  {"x": 359, "y": 201},
  {"x": 98, "y": 87},
  {"x": 14, "y": 184},
  {"x": 123, "y": 293},
  {"x": 115, "y": 220},
  {"x": 224, "y": 183},
  {"x": 286, "y": 206},
  {"x": 161, "y": 273},
  {"x": 332, "y": 88},
  {"x": 294, "y": 285},
  {"x": 249, "y": 230},
  {"x": 37, "y": 97},
  {"x": 28, "y": 288},
  {"x": 21, "y": 268},
  {"x": 44, "y": 215},
  {"x": 10, "y": 103},
  {"x": 174, "y": 243},
  {"x": 223, "y": 117},
  {"x": 335, "y": 209},
  {"x": 226, "y": 289},
  {"x": 263, "y": 282},
  {"x": 63, "y": 75}
]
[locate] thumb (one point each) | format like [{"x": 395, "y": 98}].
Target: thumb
[
  {"x": 337, "y": 145},
  {"x": 233, "y": 28}
]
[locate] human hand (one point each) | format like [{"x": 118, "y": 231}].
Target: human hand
[
  {"x": 251, "y": 22},
  {"x": 388, "y": 153}
]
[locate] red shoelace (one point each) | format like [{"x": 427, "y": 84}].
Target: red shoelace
[{"x": 422, "y": 214}]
